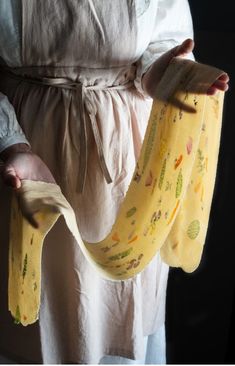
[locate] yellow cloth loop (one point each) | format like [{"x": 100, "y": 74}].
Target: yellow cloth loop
[{"x": 166, "y": 207}]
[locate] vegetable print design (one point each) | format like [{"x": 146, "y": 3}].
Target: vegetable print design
[{"x": 149, "y": 211}]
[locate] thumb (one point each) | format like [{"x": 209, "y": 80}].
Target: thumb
[
  {"x": 154, "y": 73},
  {"x": 184, "y": 48},
  {"x": 10, "y": 177}
]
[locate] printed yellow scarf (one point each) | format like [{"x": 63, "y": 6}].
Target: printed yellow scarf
[{"x": 166, "y": 207}]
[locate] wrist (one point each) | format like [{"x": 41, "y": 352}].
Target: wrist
[
  {"x": 14, "y": 149},
  {"x": 148, "y": 82}
]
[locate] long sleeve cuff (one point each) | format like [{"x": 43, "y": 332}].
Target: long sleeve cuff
[
  {"x": 10, "y": 131},
  {"x": 7, "y": 141},
  {"x": 172, "y": 25}
]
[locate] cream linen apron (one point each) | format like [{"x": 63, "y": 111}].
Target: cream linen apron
[{"x": 82, "y": 316}]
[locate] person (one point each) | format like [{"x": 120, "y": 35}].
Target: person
[{"x": 77, "y": 80}]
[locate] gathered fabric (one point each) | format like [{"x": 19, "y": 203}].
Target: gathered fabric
[
  {"x": 83, "y": 316},
  {"x": 166, "y": 207},
  {"x": 75, "y": 301}
]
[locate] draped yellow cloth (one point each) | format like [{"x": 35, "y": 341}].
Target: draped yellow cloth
[{"x": 166, "y": 207}]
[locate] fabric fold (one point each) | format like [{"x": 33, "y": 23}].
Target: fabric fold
[{"x": 166, "y": 207}]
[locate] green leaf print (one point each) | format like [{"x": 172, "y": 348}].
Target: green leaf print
[
  {"x": 25, "y": 265},
  {"x": 193, "y": 229},
  {"x": 150, "y": 142},
  {"x": 162, "y": 175},
  {"x": 17, "y": 315},
  {"x": 131, "y": 212},
  {"x": 201, "y": 164},
  {"x": 31, "y": 240},
  {"x": 179, "y": 184},
  {"x": 120, "y": 255}
]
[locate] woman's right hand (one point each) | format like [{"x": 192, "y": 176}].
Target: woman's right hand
[
  {"x": 19, "y": 163},
  {"x": 152, "y": 77}
]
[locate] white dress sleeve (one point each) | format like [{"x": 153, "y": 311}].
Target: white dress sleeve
[
  {"x": 173, "y": 24},
  {"x": 10, "y": 14},
  {"x": 10, "y": 131}
]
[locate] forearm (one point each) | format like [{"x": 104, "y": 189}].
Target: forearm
[{"x": 13, "y": 149}]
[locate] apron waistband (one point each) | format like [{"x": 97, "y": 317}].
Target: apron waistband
[{"x": 84, "y": 101}]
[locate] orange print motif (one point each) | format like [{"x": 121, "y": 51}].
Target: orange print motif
[
  {"x": 197, "y": 187},
  {"x": 133, "y": 239},
  {"x": 115, "y": 237},
  {"x": 173, "y": 212},
  {"x": 206, "y": 164},
  {"x": 178, "y": 161}
]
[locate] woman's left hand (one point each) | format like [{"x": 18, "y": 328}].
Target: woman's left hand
[{"x": 154, "y": 74}]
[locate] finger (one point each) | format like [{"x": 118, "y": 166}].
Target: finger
[
  {"x": 220, "y": 85},
  {"x": 212, "y": 90},
  {"x": 27, "y": 213},
  {"x": 224, "y": 77},
  {"x": 13, "y": 182},
  {"x": 31, "y": 219},
  {"x": 10, "y": 178}
]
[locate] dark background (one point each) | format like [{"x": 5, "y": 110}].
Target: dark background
[{"x": 200, "y": 306}]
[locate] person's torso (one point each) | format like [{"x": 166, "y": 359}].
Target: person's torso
[{"x": 85, "y": 33}]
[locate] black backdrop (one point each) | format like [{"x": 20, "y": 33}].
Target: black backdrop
[{"x": 200, "y": 306}]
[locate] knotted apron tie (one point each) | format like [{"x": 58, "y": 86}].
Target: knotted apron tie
[{"x": 83, "y": 103}]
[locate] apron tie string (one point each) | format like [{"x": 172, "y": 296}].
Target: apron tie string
[{"x": 83, "y": 103}]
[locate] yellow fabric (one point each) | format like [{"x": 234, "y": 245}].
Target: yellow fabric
[{"x": 166, "y": 207}]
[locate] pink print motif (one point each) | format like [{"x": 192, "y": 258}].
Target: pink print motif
[
  {"x": 149, "y": 179},
  {"x": 189, "y": 145}
]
